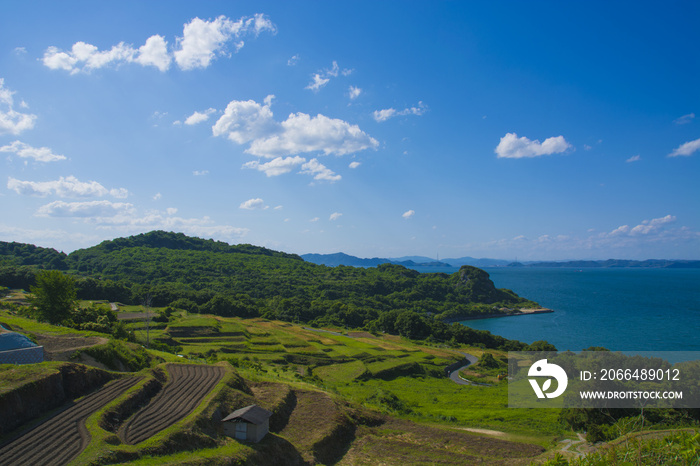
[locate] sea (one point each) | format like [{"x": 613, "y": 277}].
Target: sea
[{"x": 621, "y": 309}]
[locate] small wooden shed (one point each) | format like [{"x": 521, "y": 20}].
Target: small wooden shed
[{"x": 251, "y": 423}]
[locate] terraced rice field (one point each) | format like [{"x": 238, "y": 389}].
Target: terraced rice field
[
  {"x": 188, "y": 386},
  {"x": 62, "y": 437}
]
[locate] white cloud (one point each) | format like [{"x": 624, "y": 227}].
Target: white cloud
[
  {"x": 652, "y": 226},
  {"x": 321, "y": 78},
  {"x": 154, "y": 53},
  {"x": 250, "y": 122},
  {"x": 171, "y": 210},
  {"x": 385, "y": 114},
  {"x": 87, "y": 57},
  {"x": 317, "y": 82},
  {"x": 199, "y": 117},
  {"x": 301, "y": 133},
  {"x": 244, "y": 121},
  {"x": 634, "y": 158},
  {"x": 686, "y": 149},
  {"x": 314, "y": 220},
  {"x": 354, "y": 92},
  {"x": 201, "y": 42},
  {"x": 335, "y": 216},
  {"x": 684, "y": 119},
  {"x": 157, "y": 196},
  {"x": 513, "y": 147},
  {"x": 64, "y": 187},
  {"x": 354, "y": 164},
  {"x": 39, "y": 154},
  {"x": 319, "y": 171},
  {"x": 293, "y": 61},
  {"x": 12, "y": 121},
  {"x": 200, "y": 172},
  {"x": 84, "y": 209},
  {"x": 408, "y": 214},
  {"x": 254, "y": 204},
  {"x": 275, "y": 167}
]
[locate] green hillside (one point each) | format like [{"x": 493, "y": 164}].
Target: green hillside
[{"x": 196, "y": 275}]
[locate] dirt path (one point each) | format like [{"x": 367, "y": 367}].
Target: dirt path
[
  {"x": 61, "y": 347},
  {"x": 188, "y": 386},
  {"x": 62, "y": 437}
]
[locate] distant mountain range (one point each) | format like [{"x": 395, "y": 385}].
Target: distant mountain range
[
  {"x": 610, "y": 263},
  {"x": 340, "y": 258}
]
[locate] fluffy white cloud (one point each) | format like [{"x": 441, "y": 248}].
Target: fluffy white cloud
[
  {"x": 275, "y": 167},
  {"x": 513, "y": 147},
  {"x": 254, "y": 204},
  {"x": 87, "y": 57},
  {"x": 199, "y": 117},
  {"x": 250, "y": 122},
  {"x": 154, "y": 53},
  {"x": 321, "y": 78},
  {"x": 39, "y": 154},
  {"x": 385, "y": 114},
  {"x": 200, "y": 43},
  {"x": 634, "y": 158},
  {"x": 354, "y": 92},
  {"x": 335, "y": 216},
  {"x": 354, "y": 164},
  {"x": 12, "y": 121},
  {"x": 301, "y": 133},
  {"x": 408, "y": 214},
  {"x": 686, "y": 149},
  {"x": 646, "y": 228},
  {"x": 319, "y": 171},
  {"x": 244, "y": 121},
  {"x": 84, "y": 209},
  {"x": 200, "y": 172},
  {"x": 293, "y": 61},
  {"x": 64, "y": 187}
]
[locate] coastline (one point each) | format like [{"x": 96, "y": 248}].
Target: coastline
[{"x": 520, "y": 312}]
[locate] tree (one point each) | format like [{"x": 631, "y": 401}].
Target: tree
[{"x": 54, "y": 296}]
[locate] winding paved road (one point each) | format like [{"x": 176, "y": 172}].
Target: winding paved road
[{"x": 454, "y": 375}]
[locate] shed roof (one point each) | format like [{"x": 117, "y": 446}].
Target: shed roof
[{"x": 253, "y": 414}]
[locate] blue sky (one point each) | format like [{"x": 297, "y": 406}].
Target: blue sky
[{"x": 536, "y": 130}]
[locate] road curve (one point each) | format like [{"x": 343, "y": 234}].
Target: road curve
[{"x": 454, "y": 375}]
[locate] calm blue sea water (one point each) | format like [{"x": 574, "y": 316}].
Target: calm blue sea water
[{"x": 625, "y": 309}]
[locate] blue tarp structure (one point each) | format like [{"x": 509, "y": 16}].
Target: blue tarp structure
[
  {"x": 12, "y": 340},
  {"x": 15, "y": 348}
]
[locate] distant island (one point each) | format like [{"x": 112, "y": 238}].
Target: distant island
[
  {"x": 333, "y": 260},
  {"x": 612, "y": 263}
]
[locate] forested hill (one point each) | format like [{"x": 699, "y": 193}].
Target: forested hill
[
  {"x": 28, "y": 254},
  {"x": 175, "y": 241},
  {"x": 243, "y": 280}
]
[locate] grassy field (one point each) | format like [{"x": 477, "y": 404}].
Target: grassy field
[
  {"x": 348, "y": 372},
  {"x": 358, "y": 368}
]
